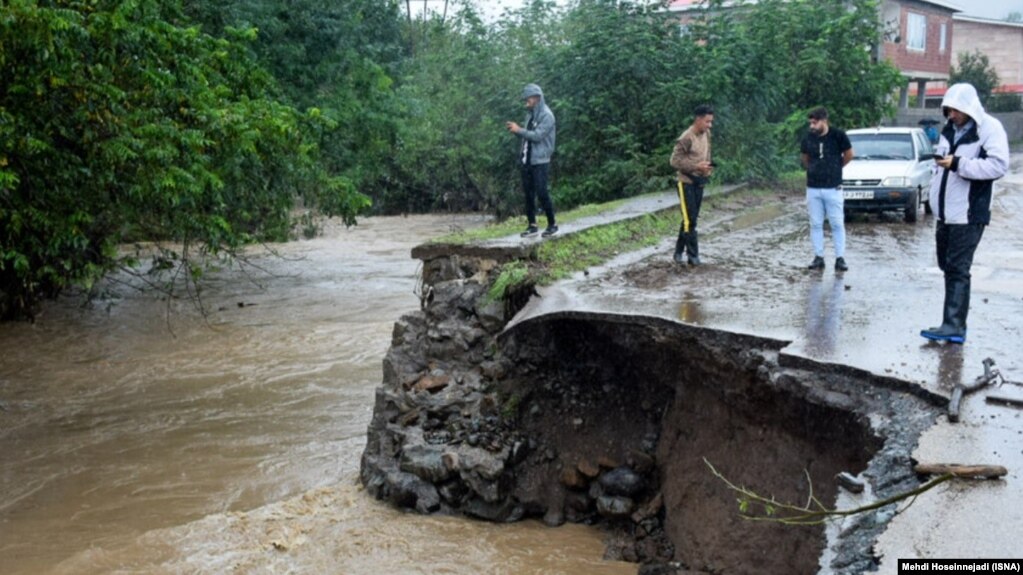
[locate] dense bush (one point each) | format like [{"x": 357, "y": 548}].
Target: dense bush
[
  {"x": 202, "y": 123},
  {"x": 119, "y": 121}
]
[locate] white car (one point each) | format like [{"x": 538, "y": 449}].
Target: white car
[{"x": 891, "y": 170}]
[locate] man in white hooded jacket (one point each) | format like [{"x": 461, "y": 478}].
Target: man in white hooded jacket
[{"x": 974, "y": 152}]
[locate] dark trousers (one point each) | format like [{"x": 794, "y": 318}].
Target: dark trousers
[
  {"x": 956, "y": 244},
  {"x": 690, "y": 197},
  {"x": 534, "y": 184}
]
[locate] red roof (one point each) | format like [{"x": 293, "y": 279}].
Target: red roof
[{"x": 940, "y": 90}]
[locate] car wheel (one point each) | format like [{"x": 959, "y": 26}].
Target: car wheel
[{"x": 912, "y": 207}]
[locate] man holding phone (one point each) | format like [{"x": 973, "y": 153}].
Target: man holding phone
[
  {"x": 972, "y": 152},
  {"x": 538, "y": 138},
  {"x": 691, "y": 160}
]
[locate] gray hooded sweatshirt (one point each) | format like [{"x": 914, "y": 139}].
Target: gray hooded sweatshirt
[
  {"x": 541, "y": 137},
  {"x": 962, "y": 193}
]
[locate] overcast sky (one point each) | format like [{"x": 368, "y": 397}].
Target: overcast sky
[{"x": 996, "y": 9}]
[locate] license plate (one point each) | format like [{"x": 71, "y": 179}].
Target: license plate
[{"x": 854, "y": 195}]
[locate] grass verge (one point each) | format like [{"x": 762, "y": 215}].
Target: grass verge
[
  {"x": 560, "y": 257},
  {"x": 512, "y": 226},
  {"x": 593, "y": 246}
]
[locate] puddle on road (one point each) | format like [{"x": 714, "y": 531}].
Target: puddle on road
[{"x": 757, "y": 217}]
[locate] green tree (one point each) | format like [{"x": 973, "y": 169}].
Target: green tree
[
  {"x": 463, "y": 82},
  {"x": 118, "y": 122},
  {"x": 623, "y": 83},
  {"x": 975, "y": 68},
  {"x": 777, "y": 58},
  {"x": 339, "y": 58},
  {"x": 622, "y": 78}
]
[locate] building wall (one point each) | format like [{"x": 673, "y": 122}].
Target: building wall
[
  {"x": 931, "y": 62},
  {"x": 1002, "y": 44},
  {"x": 1012, "y": 121}
]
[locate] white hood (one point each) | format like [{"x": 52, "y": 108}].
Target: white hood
[
  {"x": 877, "y": 169},
  {"x": 963, "y": 97}
]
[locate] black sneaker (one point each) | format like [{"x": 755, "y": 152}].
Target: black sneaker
[
  {"x": 816, "y": 264},
  {"x": 840, "y": 265},
  {"x": 530, "y": 231},
  {"x": 550, "y": 231}
]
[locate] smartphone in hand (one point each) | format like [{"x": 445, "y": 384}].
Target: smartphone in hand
[{"x": 937, "y": 156}]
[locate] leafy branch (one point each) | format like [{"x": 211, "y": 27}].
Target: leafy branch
[{"x": 756, "y": 507}]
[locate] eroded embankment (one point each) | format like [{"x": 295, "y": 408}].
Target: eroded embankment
[{"x": 609, "y": 419}]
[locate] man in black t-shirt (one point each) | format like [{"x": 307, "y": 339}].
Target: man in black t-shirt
[{"x": 824, "y": 152}]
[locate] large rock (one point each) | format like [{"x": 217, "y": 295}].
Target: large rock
[
  {"x": 406, "y": 490},
  {"x": 454, "y": 296},
  {"x": 621, "y": 481},
  {"x": 491, "y": 315},
  {"x": 409, "y": 328},
  {"x": 482, "y": 471},
  {"x": 615, "y": 507},
  {"x": 570, "y": 477},
  {"x": 488, "y": 465},
  {"x": 426, "y": 462},
  {"x": 506, "y": 510}
]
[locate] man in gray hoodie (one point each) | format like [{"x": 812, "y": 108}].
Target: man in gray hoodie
[
  {"x": 974, "y": 152},
  {"x": 535, "y": 157}
]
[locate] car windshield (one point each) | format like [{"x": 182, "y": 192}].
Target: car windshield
[{"x": 882, "y": 146}]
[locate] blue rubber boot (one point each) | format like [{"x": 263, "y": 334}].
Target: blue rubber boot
[{"x": 945, "y": 333}]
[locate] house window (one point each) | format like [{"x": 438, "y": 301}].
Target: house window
[
  {"x": 916, "y": 30},
  {"x": 944, "y": 36}
]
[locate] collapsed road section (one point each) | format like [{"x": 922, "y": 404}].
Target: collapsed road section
[{"x": 612, "y": 420}]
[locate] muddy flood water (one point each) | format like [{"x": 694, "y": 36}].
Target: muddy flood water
[{"x": 138, "y": 437}]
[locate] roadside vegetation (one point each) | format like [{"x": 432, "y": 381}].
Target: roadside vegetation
[
  {"x": 561, "y": 256},
  {"x": 203, "y": 125},
  {"x": 509, "y": 227}
]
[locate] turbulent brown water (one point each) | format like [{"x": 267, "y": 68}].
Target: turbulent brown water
[{"x": 137, "y": 436}]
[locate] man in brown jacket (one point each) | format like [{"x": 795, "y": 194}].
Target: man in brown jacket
[{"x": 691, "y": 159}]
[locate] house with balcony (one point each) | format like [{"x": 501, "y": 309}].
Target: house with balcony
[
  {"x": 1000, "y": 40},
  {"x": 917, "y": 38}
]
